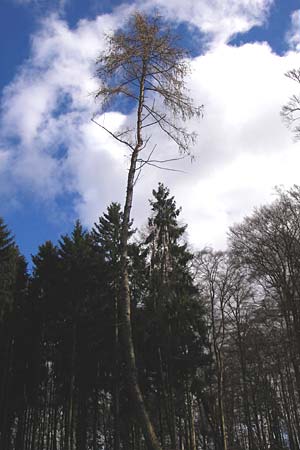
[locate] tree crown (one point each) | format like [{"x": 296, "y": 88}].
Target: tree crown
[{"x": 145, "y": 66}]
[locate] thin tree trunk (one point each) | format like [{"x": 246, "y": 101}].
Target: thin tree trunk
[
  {"x": 221, "y": 400},
  {"x": 125, "y": 307},
  {"x": 5, "y": 389},
  {"x": 95, "y": 418},
  {"x": 70, "y": 413},
  {"x": 116, "y": 388}
]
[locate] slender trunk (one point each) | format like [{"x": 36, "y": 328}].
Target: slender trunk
[
  {"x": 81, "y": 422},
  {"x": 20, "y": 430},
  {"x": 34, "y": 425},
  {"x": 221, "y": 400},
  {"x": 95, "y": 418},
  {"x": 174, "y": 438},
  {"x": 5, "y": 389},
  {"x": 161, "y": 426},
  {"x": 70, "y": 414},
  {"x": 166, "y": 399},
  {"x": 116, "y": 388},
  {"x": 54, "y": 437},
  {"x": 191, "y": 418},
  {"x": 125, "y": 307},
  {"x": 245, "y": 389}
]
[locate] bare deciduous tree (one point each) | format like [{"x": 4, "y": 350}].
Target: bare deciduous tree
[
  {"x": 291, "y": 111},
  {"x": 145, "y": 66},
  {"x": 215, "y": 276},
  {"x": 268, "y": 244}
]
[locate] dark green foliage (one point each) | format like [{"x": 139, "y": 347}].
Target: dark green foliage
[
  {"x": 14, "y": 365},
  {"x": 106, "y": 233},
  {"x": 8, "y": 268},
  {"x": 172, "y": 315},
  {"x": 216, "y": 336},
  {"x": 173, "y": 297}
]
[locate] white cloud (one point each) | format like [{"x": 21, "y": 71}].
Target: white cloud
[
  {"x": 243, "y": 149},
  {"x": 47, "y": 108},
  {"x": 220, "y": 20},
  {"x": 293, "y": 35}
]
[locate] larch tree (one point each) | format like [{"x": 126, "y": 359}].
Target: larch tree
[{"x": 144, "y": 66}]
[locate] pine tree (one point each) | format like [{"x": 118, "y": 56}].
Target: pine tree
[
  {"x": 175, "y": 327},
  {"x": 107, "y": 237},
  {"x": 8, "y": 267},
  {"x": 80, "y": 280},
  {"x": 13, "y": 293}
]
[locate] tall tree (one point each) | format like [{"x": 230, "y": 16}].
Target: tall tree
[
  {"x": 215, "y": 276},
  {"x": 174, "y": 327},
  {"x": 143, "y": 64},
  {"x": 107, "y": 237},
  {"x": 13, "y": 284},
  {"x": 8, "y": 267}
]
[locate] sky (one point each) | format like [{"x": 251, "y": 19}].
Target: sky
[{"x": 57, "y": 166}]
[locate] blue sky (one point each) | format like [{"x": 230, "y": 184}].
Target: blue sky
[{"x": 55, "y": 166}]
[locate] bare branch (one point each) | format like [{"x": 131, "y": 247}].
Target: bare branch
[
  {"x": 114, "y": 135},
  {"x": 290, "y": 112},
  {"x": 166, "y": 168},
  {"x": 143, "y": 59}
]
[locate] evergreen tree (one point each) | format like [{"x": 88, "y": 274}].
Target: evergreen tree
[
  {"x": 82, "y": 273},
  {"x": 106, "y": 236},
  {"x": 107, "y": 233},
  {"x": 14, "y": 379},
  {"x": 175, "y": 326},
  {"x": 8, "y": 267}
]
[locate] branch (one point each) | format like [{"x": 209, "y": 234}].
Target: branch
[
  {"x": 115, "y": 136},
  {"x": 166, "y": 168},
  {"x": 168, "y": 160},
  {"x": 143, "y": 162}
]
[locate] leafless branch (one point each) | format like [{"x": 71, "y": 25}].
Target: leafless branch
[{"x": 114, "y": 135}]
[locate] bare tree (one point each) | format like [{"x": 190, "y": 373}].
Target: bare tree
[
  {"x": 215, "y": 277},
  {"x": 291, "y": 111},
  {"x": 144, "y": 66},
  {"x": 268, "y": 244}
]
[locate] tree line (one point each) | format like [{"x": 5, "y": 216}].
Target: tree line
[{"x": 216, "y": 335}]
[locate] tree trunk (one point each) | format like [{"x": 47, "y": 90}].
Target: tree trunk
[
  {"x": 70, "y": 406},
  {"x": 116, "y": 388},
  {"x": 125, "y": 307}
]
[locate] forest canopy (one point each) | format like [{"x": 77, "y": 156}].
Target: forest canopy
[{"x": 216, "y": 333}]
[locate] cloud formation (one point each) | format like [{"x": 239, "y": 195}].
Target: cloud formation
[
  {"x": 49, "y": 146},
  {"x": 47, "y": 108},
  {"x": 293, "y": 35},
  {"x": 219, "y": 20}
]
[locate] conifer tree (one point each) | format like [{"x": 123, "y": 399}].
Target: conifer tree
[
  {"x": 175, "y": 317},
  {"x": 8, "y": 267},
  {"x": 107, "y": 236},
  {"x": 144, "y": 66},
  {"x": 13, "y": 286}
]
